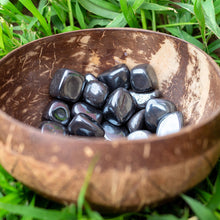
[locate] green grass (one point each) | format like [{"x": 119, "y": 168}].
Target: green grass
[{"x": 195, "y": 21}]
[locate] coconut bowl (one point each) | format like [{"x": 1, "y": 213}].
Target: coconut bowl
[{"x": 128, "y": 174}]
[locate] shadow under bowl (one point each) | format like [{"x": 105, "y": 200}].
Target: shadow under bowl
[{"x": 128, "y": 174}]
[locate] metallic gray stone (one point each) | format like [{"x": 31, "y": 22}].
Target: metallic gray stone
[
  {"x": 67, "y": 85},
  {"x": 112, "y": 132},
  {"x": 115, "y": 77},
  {"x": 143, "y": 78},
  {"x": 136, "y": 122},
  {"x": 155, "y": 109},
  {"x": 82, "y": 107},
  {"x": 57, "y": 111},
  {"x": 139, "y": 134},
  {"x": 84, "y": 125},
  {"x": 95, "y": 93},
  {"x": 119, "y": 107},
  {"x": 52, "y": 127},
  {"x": 142, "y": 98},
  {"x": 170, "y": 123}
]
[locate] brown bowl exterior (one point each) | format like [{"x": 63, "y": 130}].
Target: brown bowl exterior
[{"x": 128, "y": 174}]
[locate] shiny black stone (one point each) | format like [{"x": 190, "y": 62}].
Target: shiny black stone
[
  {"x": 67, "y": 85},
  {"x": 170, "y": 123},
  {"x": 142, "y": 98},
  {"x": 90, "y": 77},
  {"x": 119, "y": 107},
  {"x": 95, "y": 93},
  {"x": 84, "y": 125},
  {"x": 155, "y": 110},
  {"x": 52, "y": 127},
  {"x": 112, "y": 132},
  {"x": 82, "y": 107},
  {"x": 136, "y": 122},
  {"x": 57, "y": 111},
  {"x": 115, "y": 77},
  {"x": 139, "y": 134},
  {"x": 143, "y": 78}
]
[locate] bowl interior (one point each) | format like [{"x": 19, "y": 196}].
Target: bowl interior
[{"x": 185, "y": 74}]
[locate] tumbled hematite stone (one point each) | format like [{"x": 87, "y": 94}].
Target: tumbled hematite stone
[
  {"x": 142, "y": 98},
  {"x": 52, "y": 127},
  {"x": 112, "y": 132},
  {"x": 81, "y": 107},
  {"x": 115, "y": 77},
  {"x": 155, "y": 110},
  {"x": 170, "y": 123},
  {"x": 119, "y": 107},
  {"x": 136, "y": 122},
  {"x": 143, "y": 78},
  {"x": 90, "y": 77},
  {"x": 95, "y": 93},
  {"x": 57, "y": 111},
  {"x": 139, "y": 134},
  {"x": 67, "y": 85},
  {"x": 84, "y": 125}
]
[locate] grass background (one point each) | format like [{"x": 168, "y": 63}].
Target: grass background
[{"x": 196, "y": 21}]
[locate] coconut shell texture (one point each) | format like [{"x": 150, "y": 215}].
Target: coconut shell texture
[{"x": 128, "y": 175}]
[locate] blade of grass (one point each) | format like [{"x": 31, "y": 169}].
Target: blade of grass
[
  {"x": 156, "y": 7},
  {"x": 118, "y": 21},
  {"x": 92, "y": 214},
  {"x": 209, "y": 13},
  {"x": 70, "y": 14},
  {"x": 214, "y": 46},
  {"x": 30, "y": 6},
  {"x": 90, "y": 6},
  {"x": 32, "y": 203},
  {"x": 128, "y": 14},
  {"x": 107, "y": 5},
  {"x": 165, "y": 217},
  {"x": 81, "y": 198},
  {"x": 98, "y": 22},
  {"x": 187, "y": 6},
  {"x": 199, "y": 209},
  {"x": 80, "y": 17},
  {"x": 8, "y": 5},
  {"x": 33, "y": 21},
  {"x": 137, "y": 4},
  {"x": 2, "y": 46},
  {"x": 34, "y": 212},
  {"x": 143, "y": 19},
  {"x": 60, "y": 11},
  {"x": 185, "y": 36},
  {"x": 214, "y": 202},
  {"x": 198, "y": 10},
  {"x": 176, "y": 24}
]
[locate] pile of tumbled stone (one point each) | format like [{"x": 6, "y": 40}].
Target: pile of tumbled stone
[{"x": 118, "y": 103}]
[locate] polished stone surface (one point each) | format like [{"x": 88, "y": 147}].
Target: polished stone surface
[
  {"x": 82, "y": 107},
  {"x": 113, "y": 132},
  {"x": 95, "y": 93},
  {"x": 155, "y": 110},
  {"x": 115, "y": 77},
  {"x": 90, "y": 77},
  {"x": 139, "y": 134},
  {"x": 143, "y": 78},
  {"x": 142, "y": 98},
  {"x": 119, "y": 107},
  {"x": 57, "y": 111},
  {"x": 52, "y": 127},
  {"x": 136, "y": 122},
  {"x": 170, "y": 123},
  {"x": 67, "y": 85},
  {"x": 84, "y": 125}
]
